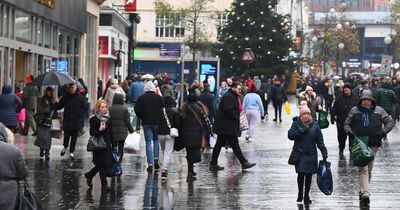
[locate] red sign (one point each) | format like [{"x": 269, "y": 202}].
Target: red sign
[
  {"x": 103, "y": 45},
  {"x": 130, "y": 5},
  {"x": 248, "y": 56}
]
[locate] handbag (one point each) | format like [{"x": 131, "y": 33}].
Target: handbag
[
  {"x": 173, "y": 131},
  {"x": 96, "y": 143},
  {"x": 323, "y": 119},
  {"x": 116, "y": 168},
  {"x": 361, "y": 154},
  {"x": 324, "y": 177},
  {"x": 27, "y": 200},
  {"x": 244, "y": 123},
  {"x": 294, "y": 157}
]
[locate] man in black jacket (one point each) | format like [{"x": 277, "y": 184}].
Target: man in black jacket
[
  {"x": 149, "y": 108},
  {"x": 73, "y": 104},
  {"x": 339, "y": 112},
  {"x": 226, "y": 126}
]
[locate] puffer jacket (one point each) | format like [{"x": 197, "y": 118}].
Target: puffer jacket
[
  {"x": 10, "y": 105},
  {"x": 386, "y": 97},
  {"x": 120, "y": 119},
  {"x": 112, "y": 90}
]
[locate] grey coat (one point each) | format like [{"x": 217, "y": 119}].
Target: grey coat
[
  {"x": 29, "y": 97},
  {"x": 43, "y": 138},
  {"x": 12, "y": 168},
  {"x": 120, "y": 119}
]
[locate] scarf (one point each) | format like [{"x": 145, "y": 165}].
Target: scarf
[
  {"x": 365, "y": 112},
  {"x": 104, "y": 117}
]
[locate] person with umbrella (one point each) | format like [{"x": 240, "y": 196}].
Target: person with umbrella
[{"x": 73, "y": 104}]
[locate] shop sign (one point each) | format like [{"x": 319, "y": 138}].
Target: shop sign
[
  {"x": 130, "y": 5},
  {"x": 48, "y": 3}
]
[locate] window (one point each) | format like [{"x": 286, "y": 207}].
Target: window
[
  {"x": 39, "y": 32},
  {"x": 170, "y": 25},
  {"x": 47, "y": 34},
  {"x": 222, "y": 20},
  {"x": 55, "y": 36},
  {"x": 23, "y": 26}
]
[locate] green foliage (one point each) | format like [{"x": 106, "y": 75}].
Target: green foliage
[
  {"x": 396, "y": 37},
  {"x": 254, "y": 24}
]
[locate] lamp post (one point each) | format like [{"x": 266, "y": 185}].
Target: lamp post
[
  {"x": 340, "y": 47},
  {"x": 184, "y": 49},
  {"x": 344, "y": 64}
]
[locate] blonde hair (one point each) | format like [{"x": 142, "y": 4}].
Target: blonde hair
[{"x": 99, "y": 102}]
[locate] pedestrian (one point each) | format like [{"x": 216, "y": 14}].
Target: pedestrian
[
  {"x": 121, "y": 124},
  {"x": 307, "y": 136},
  {"x": 149, "y": 109},
  {"x": 387, "y": 98},
  {"x": 29, "y": 101},
  {"x": 368, "y": 119},
  {"x": 166, "y": 140},
  {"x": 329, "y": 95},
  {"x": 73, "y": 104},
  {"x": 84, "y": 91},
  {"x": 135, "y": 90},
  {"x": 10, "y": 105},
  {"x": 99, "y": 88},
  {"x": 339, "y": 112},
  {"x": 112, "y": 90},
  {"x": 46, "y": 106},
  {"x": 265, "y": 95},
  {"x": 167, "y": 90},
  {"x": 192, "y": 122},
  {"x": 101, "y": 126},
  {"x": 311, "y": 98},
  {"x": 208, "y": 100},
  {"x": 12, "y": 169},
  {"x": 226, "y": 126},
  {"x": 278, "y": 97},
  {"x": 253, "y": 107}
]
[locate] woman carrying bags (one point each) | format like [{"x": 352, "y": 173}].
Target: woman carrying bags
[
  {"x": 45, "y": 108},
  {"x": 100, "y": 126},
  {"x": 307, "y": 136}
]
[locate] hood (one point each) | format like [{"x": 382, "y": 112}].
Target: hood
[
  {"x": 149, "y": 86},
  {"x": 118, "y": 99},
  {"x": 6, "y": 89},
  {"x": 114, "y": 86},
  {"x": 367, "y": 93}
]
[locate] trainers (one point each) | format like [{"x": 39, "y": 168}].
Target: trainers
[
  {"x": 156, "y": 166},
  {"x": 34, "y": 133},
  {"x": 63, "y": 151},
  {"x": 41, "y": 153},
  {"x": 71, "y": 155},
  {"x": 250, "y": 139},
  {"x": 216, "y": 168},
  {"x": 266, "y": 117},
  {"x": 89, "y": 181},
  {"x": 191, "y": 177},
  {"x": 150, "y": 168},
  {"x": 247, "y": 165},
  {"x": 365, "y": 198},
  {"x": 164, "y": 174},
  {"x": 247, "y": 137}
]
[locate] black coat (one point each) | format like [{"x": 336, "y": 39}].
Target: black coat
[
  {"x": 149, "y": 108},
  {"x": 74, "y": 108},
  {"x": 227, "y": 120},
  {"x": 120, "y": 119},
  {"x": 173, "y": 117},
  {"x": 102, "y": 157},
  {"x": 191, "y": 128},
  {"x": 342, "y": 107},
  {"x": 208, "y": 100},
  {"x": 278, "y": 94}
]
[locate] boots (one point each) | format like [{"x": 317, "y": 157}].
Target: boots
[
  {"x": 300, "y": 197},
  {"x": 247, "y": 165},
  {"x": 216, "y": 168}
]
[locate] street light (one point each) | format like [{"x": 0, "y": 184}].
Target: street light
[
  {"x": 388, "y": 40},
  {"x": 341, "y": 45}
]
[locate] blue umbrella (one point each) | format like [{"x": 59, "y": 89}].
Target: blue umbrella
[{"x": 52, "y": 78}]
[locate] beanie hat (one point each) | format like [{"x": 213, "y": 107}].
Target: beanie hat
[
  {"x": 303, "y": 103},
  {"x": 347, "y": 85},
  {"x": 304, "y": 109},
  {"x": 309, "y": 88},
  {"x": 149, "y": 86}
]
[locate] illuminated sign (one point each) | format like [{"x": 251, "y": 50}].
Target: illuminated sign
[{"x": 130, "y": 5}]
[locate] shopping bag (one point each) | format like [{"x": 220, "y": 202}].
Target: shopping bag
[
  {"x": 55, "y": 125},
  {"x": 132, "y": 142},
  {"x": 324, "y": 177},
  {"x": 213, "y": 141},
  {"x": 244, "y": 124},
  {"x": 96, "y": 144},
  {"x": 116, "y": 168},
  {"x": 287, "y": 108},
  {"x": 27, "y": 200},
  {"x": 323, "y": 119},
  {"x": 361, "y": 154}
]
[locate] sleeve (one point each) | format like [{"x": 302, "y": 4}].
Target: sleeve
[
  {"x": 138, "y": 107},
  {"x": 128, "y": 121},
  {"x": 20, "y": 165},
  {"x": 347, "y": 122},
  {"x": 19, "y": 103},
  {"x": 112, "y": 141},
  {"x": 387, "y": 122},
  {"x": 320, "y": 143},
  {"x": 295, "y": 131},
  {"x": 60, "y": 104},
  {"x": 25, "y": 94},
  {"x": 94, "y": 127},
  {"x": 227, "y": 106},
  {"x": 260, "y": 105},
  {"x": 245, "y": 102},
  {"x": 107, "y": 95},
  {"x": 175, "y": 120},
  {"x": 334, "y": 110}
]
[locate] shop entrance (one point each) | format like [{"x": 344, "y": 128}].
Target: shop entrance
[{"x": 23, "y": 67}]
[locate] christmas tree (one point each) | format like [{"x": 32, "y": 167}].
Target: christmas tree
[{"x": 254, "y": 24}]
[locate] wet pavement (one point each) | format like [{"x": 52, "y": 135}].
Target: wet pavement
[{"x": 271, "y": 184}]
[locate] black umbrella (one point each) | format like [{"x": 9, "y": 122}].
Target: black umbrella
[{"x": 52, "y": 78}]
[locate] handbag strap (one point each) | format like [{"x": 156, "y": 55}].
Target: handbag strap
[{"x": 166, "y": 118}]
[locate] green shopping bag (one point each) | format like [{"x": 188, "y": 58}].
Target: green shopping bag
[
  {"x": 361, "y": 154},
  {"x": 323, "y": 119}
]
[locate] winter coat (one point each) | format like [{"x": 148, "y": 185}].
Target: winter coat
[
  {"x": 380, "y": 123},
  {"x": 112, "y": 90},
  {"x": 252, "y": 101},
  {"x": 191, "y": 127},
  {"x": 120, "y": 119},
  {"x": 386, "y": 97},
  {"x": 12, "y": 168},
  {"x": 342, "y": 107},
  {"x": 74, "y": 108},
  {"x": 312, "y": 103},
  {"x": 135, "y": 90},
  {"x": 10, "y": 104},
  {"x": 227, "y": 120},
  {"x": 43, "y": 138},
  {"x": 149, "y": 108},
  {"x": 102, "y": 157},
  {"x": 173, "y": 117},
  {"x": 265, "y": 92},
  {"x": 306, "y": 141},
  {"x": 29, "y": 97},
  {"x": 278, "y": 94},
  {"x": 167, "y": 90},
  {"x": 208, "y": 100}
]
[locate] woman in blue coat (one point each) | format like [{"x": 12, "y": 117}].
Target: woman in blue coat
[
  {"x": 307, "y": 137},
  {"x": 10, "y": 105}
]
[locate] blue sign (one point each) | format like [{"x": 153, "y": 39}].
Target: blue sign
[
  {"x": 170, "y": 50},
  {"x": 208, "y": 74},
  {"x": 62, "y": 66}
]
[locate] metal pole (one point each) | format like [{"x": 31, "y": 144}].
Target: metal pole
[{"x": 182, "y": 74}]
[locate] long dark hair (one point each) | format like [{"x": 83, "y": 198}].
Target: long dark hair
[{"x": 186, "y": 108}]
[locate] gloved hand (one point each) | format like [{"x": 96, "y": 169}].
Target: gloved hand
[
  {"x": 325, "y": 156},
  {"x": 332, "y": 120},
  {"x": 305, "y": 128}
]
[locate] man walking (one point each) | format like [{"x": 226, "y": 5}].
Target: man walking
[
  {"x": 226, "y": 126},
  {"x": 73, "y": 104},
  {"x": 368, "y": 119},
  {"x": 339, "y": 112},
  {"x": 29, "y": 101}
]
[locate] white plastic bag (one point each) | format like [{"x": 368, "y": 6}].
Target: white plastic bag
[
  {"x": 55, "y": 125},
  {"x": 132, "y": 142},
  {"x": 213, "y": 141}
]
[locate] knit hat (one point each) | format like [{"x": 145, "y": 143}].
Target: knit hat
[
  {"x": 303, "y": 103},
  {"x": 347, "y": 85},
  {"x": 309, "y": 88},
  {"x": 149, "y": 86},
  {"x": 304, "y": 109}
]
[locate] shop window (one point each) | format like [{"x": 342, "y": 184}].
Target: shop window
[
  {"x": 6, "y": 20},
  {"x": 39, "y": 32},
  {"x": 55, "y": 37},
  {"x": 47, "y": 34},
  {"x": 23, "y": 26},
  {"x": 222, "y": 20},
  {"x": 1, "y": 19}
]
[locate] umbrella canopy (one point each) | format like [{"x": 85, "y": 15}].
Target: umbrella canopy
[
  {"x": 148, "y": 76},
  {"x": 52, "y": 78}
]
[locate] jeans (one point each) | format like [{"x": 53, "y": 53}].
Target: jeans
[
  {"x": 29, "y": 121},
  {"x": 73, "y": 135},
  {"x": 167, "y": 145},
  {"x": 221, "y": 142},
  {"x": 150, "y": 136},
  {"x": 253, "y": 116},
  {"x": 120, "y": 149},
  {"x": 342, "y": 136},
  {"x": 365, "y": 173}
]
